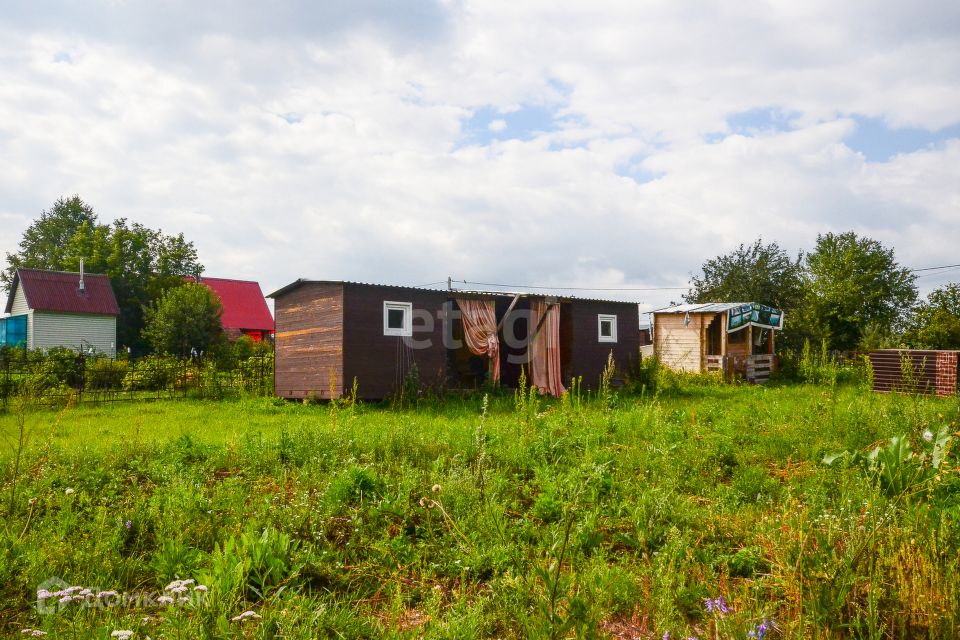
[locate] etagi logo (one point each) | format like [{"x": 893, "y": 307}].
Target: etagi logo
[{"x": 49, "y": 593}]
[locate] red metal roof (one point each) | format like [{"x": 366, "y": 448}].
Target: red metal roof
[
  {"x": 59, "y": 292},
  {"x": 244, "y": 306}
]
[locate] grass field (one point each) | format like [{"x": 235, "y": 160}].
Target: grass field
[{"x": 704, "y": 512}]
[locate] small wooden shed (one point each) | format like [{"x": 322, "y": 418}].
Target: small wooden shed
[
  {"x": 61, "y": 309},
  {"x": 330, "y": 332},
  {"x": 732, "y": 337}
]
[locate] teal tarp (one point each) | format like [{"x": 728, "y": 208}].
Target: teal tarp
[{"x": 754, "y": 314}]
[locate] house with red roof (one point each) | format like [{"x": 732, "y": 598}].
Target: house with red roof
[
  {"x": 48, "y": 309},
  {"x": 245, "y": 310}
]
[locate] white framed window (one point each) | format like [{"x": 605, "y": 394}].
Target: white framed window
[
  {"x": 397, "y": 318},
  {"x": 606, "y": 328}
]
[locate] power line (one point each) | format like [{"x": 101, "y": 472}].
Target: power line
[
  {"x": 945, "y": 266},
  {"x": 939, "y": 273},
  {"x": 536, "y": 286}
]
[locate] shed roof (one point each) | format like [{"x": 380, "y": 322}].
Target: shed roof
[
  {"x": 467, "y": 292},
  {"x": 244, "y": 306},
  {"x": 59, "y": 292},
  {"x": 701, "y": 307}
]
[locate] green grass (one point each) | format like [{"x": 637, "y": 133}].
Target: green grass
[{"x": 558, "y": 518}]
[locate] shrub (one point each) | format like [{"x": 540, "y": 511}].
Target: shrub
[{"x": 104, "y": 373}]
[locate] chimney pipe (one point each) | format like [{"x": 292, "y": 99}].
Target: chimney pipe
[{"x": 83, "y": 288}]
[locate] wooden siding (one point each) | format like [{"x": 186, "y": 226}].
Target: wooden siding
[
  {"x": 309, "y": 341},
  {"x": 679, "y": 347},
  {"x": 933, "y": 371},
  {"x": 587, "y": 355},
  {"x": 19, "y": 306},
  {"x": 73, "y": 331},
  {"x": 381, "y": 362}
]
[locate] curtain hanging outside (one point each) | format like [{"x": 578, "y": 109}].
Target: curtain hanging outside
[
  {"x": 544, "y": 349},
  {"x": 480, "y": 330}
]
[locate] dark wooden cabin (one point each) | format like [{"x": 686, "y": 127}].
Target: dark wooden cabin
[{"x": 330, "y": 332}]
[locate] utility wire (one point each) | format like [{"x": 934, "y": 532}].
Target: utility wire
[
  {"x": 945, "y": 266},
  {"x": 536, "y": 286},
  {"x": 949, "y": 267}
]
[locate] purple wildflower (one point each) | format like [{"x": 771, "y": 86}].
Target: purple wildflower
[
  {"x": 666, "y": 635},
  {"x": 716, "y": 605},
  {"x": 128, "y": 524}
]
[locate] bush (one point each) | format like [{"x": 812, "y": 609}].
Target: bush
[
  {"x": 151, "y": 373},
  {"x": 104, "y": 373}
]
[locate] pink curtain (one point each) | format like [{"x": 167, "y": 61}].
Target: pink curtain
[
  {"x": 480, "y": 330},
  {"x": 544, "y": 349}
]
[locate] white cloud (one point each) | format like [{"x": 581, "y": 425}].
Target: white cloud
[
  {"x": 337, "y": 150},
  {"x": 497, "y": 125}
]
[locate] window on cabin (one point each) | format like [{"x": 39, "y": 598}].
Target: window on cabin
[
  {"x": 397, "y": 318},
  {"x": 606, "y": 328}
]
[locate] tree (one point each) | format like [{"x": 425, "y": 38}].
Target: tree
[
  {"x": 141, "y": 262},
  {"x": 186, "y": 318},
  {"x": 854, "y": 285},
  {"x": 935, "y": 324},
  {"x": 45, "y": 242},
  {"x": 756, "y": 273}
]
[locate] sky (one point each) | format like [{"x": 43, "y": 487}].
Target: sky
[{"x": 610, "y": 146}]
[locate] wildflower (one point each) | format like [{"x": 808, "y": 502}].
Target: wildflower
[
  {"x": 245, "y": 616},
  {"x": 107, "y": 594},
  {"x": 200, "y": 587},
  {"x": 928, "y": 435},
  {"x": 68, "y": 491},
  {"x": 164, "y": 600},
  {"x": 43, "y": 594},
  {"x": 436, "y": 488},
  {"x": 716, "y": 605},
  {"x": 123, "y": 634},
  {"x": 33, "y": 633},
  {"x": 66, "y": 599},
  {"x": 128, "y": 524},
  {"x": 666, "y": 635}
]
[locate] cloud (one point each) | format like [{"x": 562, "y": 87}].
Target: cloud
[{"x": 617, "y": 145}]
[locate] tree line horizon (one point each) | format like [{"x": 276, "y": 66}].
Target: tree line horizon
[{"x": 849, "y": 292}]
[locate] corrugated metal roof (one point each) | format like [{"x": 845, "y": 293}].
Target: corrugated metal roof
[
  {"x": 702, "y": 307},
  {"x": 527, "y": 294},
  {"x": 59, "y": 292},
  {"x": 244, "y": 306}
]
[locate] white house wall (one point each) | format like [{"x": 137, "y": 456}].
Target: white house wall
[{"x": 74, "y": 331}]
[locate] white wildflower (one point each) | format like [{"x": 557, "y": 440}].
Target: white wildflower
[
  {"x": 164, "y": 600},
  {"x": 66, "y": 599},
  {"x": 33, "y": 633},
  {"x": 245, "y": 616},
  {"x": 436, "y": 488},
  {"x": 43, "y": 594},
  {"x": 200, "y": 587},
  {"x": 928, "y": 435},
  {"x": 123, "y": 634},
  {"x": 68, "y": 491}
]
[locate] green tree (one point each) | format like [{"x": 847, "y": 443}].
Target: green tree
[
  {"x": 141, "y": 262},
  {"x": 185, "y": 318},
  {"x": 935, "y": 324},
  {"x": 755, "y": 273},
  {"x": 45, "y": 243},
  {"x": 854, "y": 287}
]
